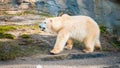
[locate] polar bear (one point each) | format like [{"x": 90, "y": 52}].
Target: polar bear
[{"x": 69, "y": 28}]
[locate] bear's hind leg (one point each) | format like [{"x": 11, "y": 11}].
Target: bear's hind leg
[
  {"x": 69, "y": 44},
  {"x": 89, "y": 45},
  {"x": 98, "y": 45}
]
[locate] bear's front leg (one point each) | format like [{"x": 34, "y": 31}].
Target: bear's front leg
[
  {"x": 62, "y": 38},
  {"x": 69, "y": 44}
]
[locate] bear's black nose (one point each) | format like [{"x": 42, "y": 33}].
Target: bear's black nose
[{"x": 43, "y": 28}]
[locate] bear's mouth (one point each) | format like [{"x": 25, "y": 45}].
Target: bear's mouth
[{"x": 43, "y": 29}]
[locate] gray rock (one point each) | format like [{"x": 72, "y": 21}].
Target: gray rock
[
  {"x": 53, "y": 8},
  {"x": 105, "y": 12}
]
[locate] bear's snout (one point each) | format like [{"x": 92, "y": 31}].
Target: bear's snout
[{"x": 42, "y": 26}]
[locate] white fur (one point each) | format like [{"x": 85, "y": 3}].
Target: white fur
[{"x": 81, "y": 28}]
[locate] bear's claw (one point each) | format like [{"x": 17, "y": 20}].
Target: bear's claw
[
  {"x": 54, "y": 52},
  {"x": 87, "y": 51}
]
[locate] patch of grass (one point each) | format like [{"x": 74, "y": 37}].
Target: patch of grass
[
  {"x": 19, "y": 13},
  {"x": 35, "y": 26},
  {"x": 25, "y": 36},
  {"x": 45, "y": 14},
  {"x": 24, "y": 46},
  {"x": 26, "y": 12},
  {"x": 29, "y": 12},
  {"x": 106, "y": 50},
  {"x": 27, "y": 26},
  {"x": 2, "y": 12},
  {"x": 6, "y": 28},
  {"x": 10, "y": 50},
  {"x": 5, "y": 35},
  {"x": 103, "y": 28},
  {"x": 116, "y": 44}
]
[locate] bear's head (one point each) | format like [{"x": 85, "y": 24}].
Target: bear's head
[
  {"x": 51, "y": 25},
  {"x": 55, "y": 24}
]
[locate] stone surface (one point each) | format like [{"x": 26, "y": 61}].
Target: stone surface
[
  {"x": 20, "y": 20},
  {"x": 105, "y": 12},
  {"x": 110, "y": 60},
  {"x": 13, "y": 12}
]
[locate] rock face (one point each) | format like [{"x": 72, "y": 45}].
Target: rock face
[{"x": 105, "y": 12}]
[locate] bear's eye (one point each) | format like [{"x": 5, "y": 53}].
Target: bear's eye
[{"x": 44, "y": 22}]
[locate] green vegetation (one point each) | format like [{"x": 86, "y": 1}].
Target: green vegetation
[
  {"x": 26, "y": 13},
  {"x": 27, "y": 26},
  {"x": 10, "y": 50},
  {"x": 44, "y": 14},
  {"x": 31, "y": 12},
  {"x": 18, "y": 13},
  {"x": 24, "y": 46},
  {"x": 25, "y": 36},
  {"x": 5, "y": 35},
  {"x": 103, "y": 28},
  {"x": 113, "y": 42},
  {"x": 116, "y": 44},
  {"x": 4, "y": 29},
  {"x": 2, "y": 12}
]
